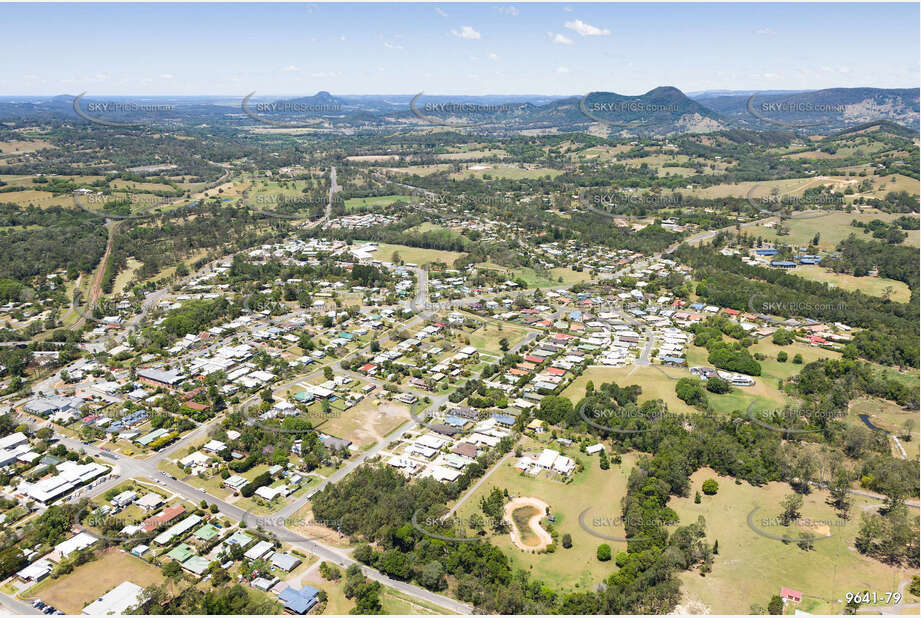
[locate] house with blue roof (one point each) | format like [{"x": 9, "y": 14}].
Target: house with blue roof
[
  {"x": 504, "y": 419},
  {"x": 455, "y": 421},
  {"x": 766, "y": 251},
  {"x": 777, "y": 264},
  {"x": 299, "y": 601}
]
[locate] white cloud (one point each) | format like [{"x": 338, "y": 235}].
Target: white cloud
[
  {"x": 166, "y": 76},
  {"x": 466, "y": 32},
  {"x": 562, "y": 70},
  {"x": 508, "y": 10},
  {"x": 559, "y": 39},
  {"x": 765, "y": 32},
  {"x": 341, "y": 37},
  {"x": 585, "y": 29},
  {"x": 440, "y": 12},
  {"x": 290, "y": 69},
  {"x": 493, "y": 56},
  {"x": 390, "y": 45}
]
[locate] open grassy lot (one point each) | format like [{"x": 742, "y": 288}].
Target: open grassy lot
[
  {"x": 90, "y": 581},
  {"x": 366, "y": 423},
  {"x": 750, "y": 568},
  {"x": 512, "y": 173},
  {"x": 415, "y": 255},
  {"x": 20, "y": 146},
  {"x": 543, "y": 278},
  {"x": 370, "y": 203},
  {"x": 472, "y": 154},
  {"x": 772, "y": 370},
  {"x": 486, "y": 338},
  {"x": 655, "y": 382},
  {"x": 600, "y": 491},
  {"x": 874, "y": 286},
  {"x": 832, "y": 229},
  {"x": 397, "y": 603}
]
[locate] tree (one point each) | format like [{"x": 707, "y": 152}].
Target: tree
[
  {"x": 716, "y": 547},
  {"x": 696, "y": 497},
  {"x": 775, "y": 607},
  {"x": 603, "y": 462},
  {"x": 503, "y": 344},
  {"x": 791, "y": 506},
  {"x": 604, "y": 552},
  {"x": 567, "y": 541},
  {"x": 781, "y": 357},
  {"x": 328, "y": 372},
  {"x": 171, "y": 569},
  {"x": 782, "y": 337},
  {"x": 710, "y": 487},
  {"x": 433, "y": 576},
  {"x": 798, "y": 359},
  {"x": 266, "y": 395},
  {"x": 718, "y": 385}
]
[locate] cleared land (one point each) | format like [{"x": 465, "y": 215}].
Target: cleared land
[
  {"x": 873, "y": 286},
  {"x": 415, "y": 255},
  {"x": 750, "y": 568},
  {"x": 90, "y": 581},
  {"x": 832, "y": 229},
  {"x": 599, "y": 491}
]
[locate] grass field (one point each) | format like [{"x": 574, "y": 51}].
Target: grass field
[
  {"x": 576, "y": 568},
  {"x": 20, "y": 147},
  {"x": 366, "y": 424},
  {"x": 873, "y": 286},
  {"x": 750, "y": 568},
  {"x": 832, "y": 229},
  {"x": 486, "y": 338},
  {"x": 371, "y": 203},
  {"x": 415, "y": 255},
  {"x": 655, "y": 384},
  {"x": 90, "y": 581},
  {"x": 512, "y": 173},
  {"x": 540, "y": 279}
]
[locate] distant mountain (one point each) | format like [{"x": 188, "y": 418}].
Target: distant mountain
[
  {"x": 819, "y": 110},
  {"x": 662, "y": 111}
]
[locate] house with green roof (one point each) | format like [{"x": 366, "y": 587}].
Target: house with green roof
[
  {"x": 181, "y": 552},
  {"x": 196, "y": 565},
  {"x": 240, "y": 538},
  {"x": 206, "y": 532}
]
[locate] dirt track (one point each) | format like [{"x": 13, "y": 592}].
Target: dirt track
[{"x": 533, "y": 523}]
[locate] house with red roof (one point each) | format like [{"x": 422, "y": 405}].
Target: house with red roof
[{"x": 789, "y": 594}]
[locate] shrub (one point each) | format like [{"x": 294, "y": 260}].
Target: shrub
[
  {"x": 710, "y": 487},
  {"x": 604, "y": 552}
]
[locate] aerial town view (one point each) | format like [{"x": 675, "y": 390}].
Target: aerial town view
[{"x": 460, "y": 308}]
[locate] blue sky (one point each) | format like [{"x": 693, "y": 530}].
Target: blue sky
[{"x": 234, "y": 49}]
